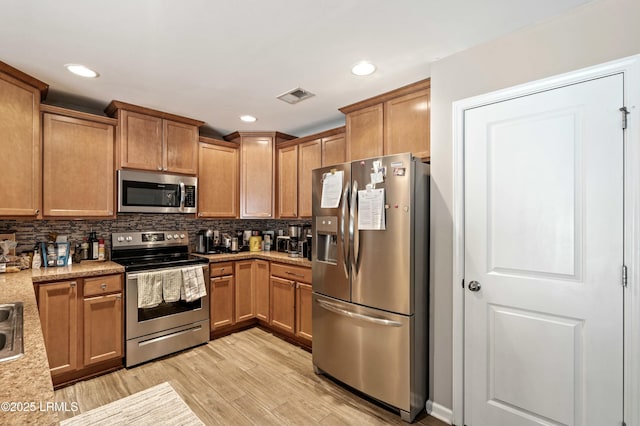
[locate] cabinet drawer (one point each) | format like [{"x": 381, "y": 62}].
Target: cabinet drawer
[
  {"x": 102, "y": 285},
  {"x": 293, "y": 273},
  {"x": 220, "y": 269}
]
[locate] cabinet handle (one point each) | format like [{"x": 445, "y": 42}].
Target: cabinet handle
[
  {"x": 291, "y": 284},
  {"x": 110, "y": 212},
  {"x": 72, "y": 284},
  {"x": 118, "y": 297},
  {"x": 164, "y": 169},
  {"x": 103, "y": 286},
  {"x": 37, "y": 211},
  {"x": 160, "y": 168},
  {"x": 297, "y": 285},
  {"x": 294, "y": 274}
]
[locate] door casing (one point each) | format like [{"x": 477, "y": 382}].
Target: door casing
[{"x": 630, "y": 67}]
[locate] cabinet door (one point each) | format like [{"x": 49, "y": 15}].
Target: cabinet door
[
  {"x": 58, "y": 308},
  {"x": 140, "y": 141},
  {"x": 262, "y": 290},
  {"x": 20, "y": 161},
  {"x": 334, "y": 150},
  {"x": 221, "y": 302},
  {"x": 288, "y": 181},
  {"x": 78, "y": 174},
  {"x": 256, "y": 178},
  {"x": 218, "y": 178},
  {"x": 103, "y": 332},
  {"x": 309, "y": 158},
  {"x": 180, "y": 147},
  {"x": 245, "y": 300},
  {"x": 406, "y": 124},
  {"x": 282, "y": 304},
  {"x": 365, "y": 133},
  {"x": 303, "y": 311}
]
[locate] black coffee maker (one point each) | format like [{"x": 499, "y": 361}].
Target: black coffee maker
[{"x": 206, "y": 241}]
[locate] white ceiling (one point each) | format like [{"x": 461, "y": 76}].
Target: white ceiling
[{"x": 215, "y": 60}]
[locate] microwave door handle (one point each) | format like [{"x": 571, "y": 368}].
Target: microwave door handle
[{"x": 182, "y": 196}]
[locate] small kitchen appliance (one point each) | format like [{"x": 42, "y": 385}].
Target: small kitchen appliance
[
  {"x": 294, "y": 240},
  {"x": 150, "y": 192}
]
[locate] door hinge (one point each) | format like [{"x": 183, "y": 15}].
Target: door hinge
[
  {"x": 625, "y": 112},
  {"x": 624, "y": 275}
]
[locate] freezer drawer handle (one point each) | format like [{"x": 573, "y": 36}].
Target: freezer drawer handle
[{"x": 381, "y": 321}]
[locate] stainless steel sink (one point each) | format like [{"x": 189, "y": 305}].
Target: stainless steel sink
[{"x": 11, "y": 331}]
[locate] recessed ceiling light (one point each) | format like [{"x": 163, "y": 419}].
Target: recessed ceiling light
[
  {"x": 81, "y": 70},
  {"x": 248, "y": 118},
  {"x": 363, "y": 68}
]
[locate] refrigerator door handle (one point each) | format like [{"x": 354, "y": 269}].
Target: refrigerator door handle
[
  {"x": 353, "y": 232},
  {"x": 345, "y": 247},
  {"x": 380, "y": 321}
]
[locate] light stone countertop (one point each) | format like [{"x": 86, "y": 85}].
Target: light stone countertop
[
  {"x": 26, "y": 382},
  {"x": 273, "y": 256}
]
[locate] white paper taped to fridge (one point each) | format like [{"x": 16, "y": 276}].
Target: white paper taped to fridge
[
  {"x": 331, "y": 189},
  {"x": 371, "y": 212}
]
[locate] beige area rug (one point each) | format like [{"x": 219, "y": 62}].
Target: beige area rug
[{"x": 159, "y": 405}]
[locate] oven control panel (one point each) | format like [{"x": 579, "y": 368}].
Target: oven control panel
[{"x": 149, "y": 239}]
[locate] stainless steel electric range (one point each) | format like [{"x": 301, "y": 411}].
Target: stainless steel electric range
[{"x": 168, "y": 327}]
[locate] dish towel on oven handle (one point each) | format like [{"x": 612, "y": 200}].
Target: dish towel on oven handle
[
  {"x": 171, "y": 285},
  {"x": 193, "y": 283},
  {"x": 149, "y": 289}
]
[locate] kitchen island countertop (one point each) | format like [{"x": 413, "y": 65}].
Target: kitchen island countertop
[{"x": 26, "y": 381}]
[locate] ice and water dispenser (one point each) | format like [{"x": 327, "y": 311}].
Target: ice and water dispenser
[{"x": 327, "y": 239}]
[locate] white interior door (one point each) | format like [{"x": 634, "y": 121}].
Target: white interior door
[{"x": 544, "y": 244}]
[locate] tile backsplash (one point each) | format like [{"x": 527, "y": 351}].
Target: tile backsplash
[{"x": 28, "y": 232}]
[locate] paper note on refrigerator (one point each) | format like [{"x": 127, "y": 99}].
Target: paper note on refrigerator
[
  {"x": 371, "y": 212},
  {"x": 331, "y": 189}
]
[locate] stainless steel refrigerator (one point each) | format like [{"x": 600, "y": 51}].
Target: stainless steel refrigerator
[{"x": 370, "y": 278}]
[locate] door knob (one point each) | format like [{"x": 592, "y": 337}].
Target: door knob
[{"x": 474, "y": 286}]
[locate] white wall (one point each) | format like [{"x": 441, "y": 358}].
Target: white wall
[{"x": 597, "y": 32}]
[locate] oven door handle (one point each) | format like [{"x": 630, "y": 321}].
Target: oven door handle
[{"x": 132, "y": 277}]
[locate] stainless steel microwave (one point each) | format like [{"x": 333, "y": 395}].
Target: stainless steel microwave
[{"x": 148, "y": 192}]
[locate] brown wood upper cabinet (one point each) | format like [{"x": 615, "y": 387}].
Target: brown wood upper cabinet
[
  {"x": 296, "y": 160},
  {"x": 155, "y": 140},
  {"x": 391, "y": 123},
  {"x": 218, "y": 178},
  {"x": 21, "y": 159},
  {"x": 288, "y": 181},
  {"x": 78, "y": 163},
  {"x": 257, "y": 165}
]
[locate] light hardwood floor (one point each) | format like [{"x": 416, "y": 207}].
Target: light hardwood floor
[{"x": 250, "y": 377}]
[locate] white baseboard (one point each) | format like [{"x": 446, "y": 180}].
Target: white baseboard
[{"x": 440, "y": 412}]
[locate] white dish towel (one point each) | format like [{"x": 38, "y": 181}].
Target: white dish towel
[
  {"x": 149, "y": 289},
  {"x": 171, "y": 285},
  {"x": 193, "y": 283}
]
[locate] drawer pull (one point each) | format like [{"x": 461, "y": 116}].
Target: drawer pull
[
  {"x": 73, "y": 284},
  {"x": 294, "y": 274},
  {"x": 103, "y": 286}
]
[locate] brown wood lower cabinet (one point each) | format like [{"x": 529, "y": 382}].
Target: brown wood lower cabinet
[
  {"x": 247, "y": 292},
  {"x": 291, "y": 301},
  {"x": 283, "y": 304},
  {"x": 82, "y": 324},
  {"x": 303, "y": 311},
  {"x": 222, "y": 295}
]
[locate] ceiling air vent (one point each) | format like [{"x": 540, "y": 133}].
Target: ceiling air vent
[{"x": 296, "y": 95}]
